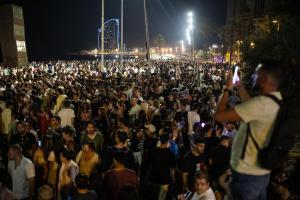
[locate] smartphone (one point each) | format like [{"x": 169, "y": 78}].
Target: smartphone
[
  {"x": 187, "y": 195},
  {"x": 39, "y": 143},
  {"x": 202, "y": 125},
  {"x": 236, "y": 77}
]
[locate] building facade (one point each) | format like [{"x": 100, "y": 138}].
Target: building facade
[{"x": 12, "y": 36}]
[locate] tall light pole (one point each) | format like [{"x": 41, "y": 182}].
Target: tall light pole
[
  {"x": 122, "y": 31},
  {"x": 102, "y": 37},
  {"x": 190, "y": 33},
  {"x": 147, "y": 33}
]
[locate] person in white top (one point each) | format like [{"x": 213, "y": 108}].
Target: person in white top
[
  {"x": 202, "y": 190},
  {"x": 22, "y": 173},
  {"x": 67, "y": 115},
  {"x": 258, "y": 114},
  {"x": 193, "y": 118},
  {"x": 67, "y": 173}
]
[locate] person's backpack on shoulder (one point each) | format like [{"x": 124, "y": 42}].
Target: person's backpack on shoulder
[{"x": 287, "y": 126}]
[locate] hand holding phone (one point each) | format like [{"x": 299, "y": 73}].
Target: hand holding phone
[{"x": 236, "y": 77}]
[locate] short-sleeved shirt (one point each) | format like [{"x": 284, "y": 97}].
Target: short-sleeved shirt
[
  {"x": 97, "y": 140},
  {"x": 107, "y": 160},
  {"x": 66, "y": 115},
  {"x": 20, "y": 175},
  {"x": 162, "y": 161},
  {"x": 86, "y": 166},
  {"x": 192, "y": 165},
  {"x": 115, "y": 180},
  {"x": 260, "y": 113},
  {"x": 67, "y": 174}
]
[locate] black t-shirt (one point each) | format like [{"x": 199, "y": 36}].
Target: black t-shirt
[
  {"x": 161, "y": 161},
  {"x": 91, "y": 195},
  {"x": 220, "y": 156},
  {"x": 192, "y": 164},
  {"x": 210, "y": 142},
  {"x": 108, "y": 155}
]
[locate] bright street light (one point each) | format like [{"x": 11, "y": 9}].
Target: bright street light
[{"x": 190, "y": 32}]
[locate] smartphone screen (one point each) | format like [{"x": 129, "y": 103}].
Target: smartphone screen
[
  {"x": 39, "y": 143},
  {"x": 235, "y": 78},
  {"x": 187, "y": 195}
]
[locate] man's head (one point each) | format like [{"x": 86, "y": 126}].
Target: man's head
[
  {"x": 195, "y": 107},
  {"x": 121, "y": 137},
  {"x": 208, "y": 129},
  {"x": 55, "y": 121},
  {"x": 164, "y": 138},
  {"x": 225, "y": 141},
  {"x": 230, "y": 126},
  {"x": 88, "y": 147},
  {"x": 14, "y": 151},
  {"x": 199, "y": 145},
  {"x": 201, "y": 183},
  {"x": 82, "y": 181},
  {"x": 68, "y": 132},
  {"x": 20, "y": 127},
  {"x": 45, "y": 192},
  {"x": 66, "y": 155},
  {"x": 268, "y": 76},
  {"x": 90, "y": 128},
  {"x": 133, "y": 102},
  {"x": 119, "y": 158}
]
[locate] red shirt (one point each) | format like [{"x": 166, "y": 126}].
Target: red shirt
[{"x": 115, "y": 180}]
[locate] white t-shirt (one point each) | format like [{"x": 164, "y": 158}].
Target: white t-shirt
[
  {"x": 208, "y": 195},
  {"x": 193, "y": 118},
  {"x": 66, "y": 115},
  {"x": 260, "y": 112},
  {"x": 20, "y": 176}
]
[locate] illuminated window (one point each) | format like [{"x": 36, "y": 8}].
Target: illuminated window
[
  {"x": 21, "y": 47},
  {"x": 19, "y": 30},
  {"x": 18, "y": 13}
]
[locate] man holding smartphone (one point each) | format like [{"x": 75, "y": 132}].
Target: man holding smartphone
[{"x": 257, "y": 114}]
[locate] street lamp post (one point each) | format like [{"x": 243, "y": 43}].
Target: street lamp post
[
  {"x": 102, "y": 37},
  {"x": 122, "y": 32},
  {"x": 147, "y": 33},
  {"x": 190, "y": 33}
]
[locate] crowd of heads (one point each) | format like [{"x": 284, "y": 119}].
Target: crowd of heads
[{"x": 74, "y": 113}]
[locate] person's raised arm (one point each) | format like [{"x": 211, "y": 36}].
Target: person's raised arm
[
  {"x": 31, "y": 183},
  {"x": 223, "y": 114},
  {"x": 185, "y": 181},
  {"x": 242, "y": 92}
]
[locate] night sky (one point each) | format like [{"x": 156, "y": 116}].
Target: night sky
[{"x": 58, "y": 27}]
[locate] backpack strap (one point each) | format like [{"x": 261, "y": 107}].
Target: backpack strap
[
  {"x": 274, "y": 98},
  {"x": 249, "y": 134},
  {"x": 246, "y": 142},
  {"x": 253, "y": 140}
]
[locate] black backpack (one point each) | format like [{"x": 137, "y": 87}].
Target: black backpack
[{"x": 287, "y": 126}]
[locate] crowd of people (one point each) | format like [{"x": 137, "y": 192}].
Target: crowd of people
[{"x": 71, "y": 131}]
